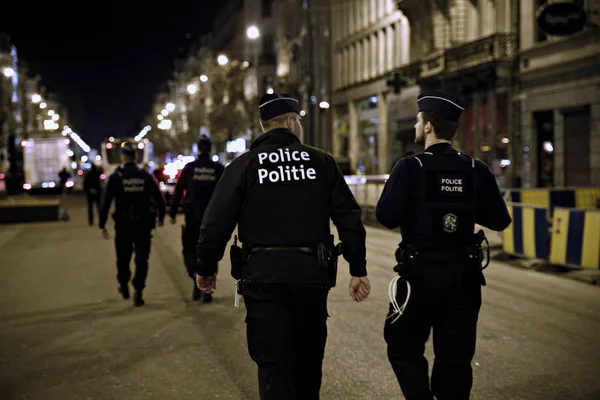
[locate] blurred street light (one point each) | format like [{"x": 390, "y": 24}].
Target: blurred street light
[
  {"x": 164, "y": 112},
  {"x": 253, "y": 32},
  {"x": 324, "y": 104},
  {"x": 43, "y": 105},
  {"x": 84, "y": 158},
  {"x": 222, "y": 59},
  {"x": 50, "y": 113},
  {"x": 36, "y": 98},
  {"x": 55, "y": 117},
  {"x": 8, "y": 72},
  {"x": 160, "y": 117},
  {"x": 203, "y": 78},
  {"x": 98, "y": 157},
  {"x": 192, "y": 88},
  {"x": 245, "y": 64},
  {"x": 165, "y": 124},
  {"x": 170, "y": 107}
]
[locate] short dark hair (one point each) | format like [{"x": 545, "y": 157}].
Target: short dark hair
[{"x": 444, "y": 128}]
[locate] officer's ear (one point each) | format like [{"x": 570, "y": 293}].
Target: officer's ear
[
  {"x": 289, "y": 122},
  {"x": 427, "y": 127}
]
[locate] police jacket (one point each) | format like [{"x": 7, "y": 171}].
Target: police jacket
[
  {"x": 438, "y": 196},
  {"x": 137, "y": 199},
  {"x": 91, "y": 182},
  {"x": 198, "y": 179},
  {"x": 282, "y": 193}
]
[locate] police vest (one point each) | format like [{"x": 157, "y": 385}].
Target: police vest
[
  {"x": 447, "y": 201},
  {"x": 202, "y": 180},
  {"x": 136, "y": 206}
]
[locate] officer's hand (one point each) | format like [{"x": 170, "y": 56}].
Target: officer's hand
[
  {"x": 105, "y": 234},
  {"x": 161, "y": 223},
  {"x": 173, "y": 220},
  {"x": 360, "y": 288},
  {"x": 207, "y": 284}
]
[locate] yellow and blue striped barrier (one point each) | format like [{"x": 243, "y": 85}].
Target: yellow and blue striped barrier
[
  {"x": 551, "y": 197},
  {"x": 576, "y": 238},
  {"x": 528, "y": 234}
]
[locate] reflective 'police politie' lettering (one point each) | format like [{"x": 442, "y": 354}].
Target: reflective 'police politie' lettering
[
  {"x": 284, "y": 172},
  {"x": 133, "y": 185},
  {"x": 204, "y": 174},
  {"x": 451, "y": 184}
]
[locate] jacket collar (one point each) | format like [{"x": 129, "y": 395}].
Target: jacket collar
[{"x": 282, "y": 136}]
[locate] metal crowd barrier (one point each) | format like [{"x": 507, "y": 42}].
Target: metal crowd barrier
[
  {"x": 575, "y": 240},
  {"x": 557, "y": 197},
  {"x": 527, "y": 236}
]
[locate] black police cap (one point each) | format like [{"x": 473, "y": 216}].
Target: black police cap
[
  {"x": 127, "y": 149},
  {"x": 273, "y": 105},
  {"x": 204, "y": 143},
  {"x": 444, "y": 104}
]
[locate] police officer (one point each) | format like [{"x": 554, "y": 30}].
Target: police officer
[
  {"x": 137, "y": 202},
  {"x": 436, "y": 198},
  {"x": 282, "y": 194},
  {"x": 91, "y": 187},
  {"x": 198, "y": 180}
]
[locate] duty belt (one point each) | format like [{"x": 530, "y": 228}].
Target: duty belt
[{"x": 297, "y": 249}]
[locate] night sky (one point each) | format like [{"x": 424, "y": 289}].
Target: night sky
[{"x": 105, "y": 60}]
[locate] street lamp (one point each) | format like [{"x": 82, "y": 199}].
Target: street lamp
[
  {"x": 50, "y": 113},
  {"x": 164, "y": 112},
  {"x": 192, "y": 88},
  {"x": 55, "y": 117},
  {"x": 36, "y": 98},
  {"x": 43, "y": 105},
  {"x": 203, "y": 78},
  {"x": 8, "y": 72},
  {"x": 222, "y": 59},
  {"x": 160, "y": 117},
  {"x": 324, "y": 105},
  {"x": 170, "y": 107},
  {"x": 253, "y": 32}
]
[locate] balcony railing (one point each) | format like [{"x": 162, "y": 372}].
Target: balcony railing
[{"x": 493, "y": 48}]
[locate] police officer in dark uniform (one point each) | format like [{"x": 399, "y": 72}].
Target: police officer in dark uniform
[
  {"x": 91, "y": 187},
  {"x": 282, "y": 194},
  {"x": 198, "y": 179},
  {"x": 436, "y": 198},
  {"x": 137, "y": 202}
]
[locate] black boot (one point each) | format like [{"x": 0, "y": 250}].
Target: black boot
[
  {"x": 137, "y": 298},
  {"x": 197, "y": 293},
  {"x": 207, "y": 298},
  {"x": 124, "y": 290}
]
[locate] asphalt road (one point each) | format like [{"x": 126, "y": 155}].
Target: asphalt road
[{"x": 65, "y": 333}]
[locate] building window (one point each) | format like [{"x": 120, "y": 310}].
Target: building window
[
  {"x": 544, "y": 125},
  {"x": 266, "y": 8},
  {"x": 578, "y": 164},
  {"x": 268, "y": 44},
  {"x": 541, "y": 36}
]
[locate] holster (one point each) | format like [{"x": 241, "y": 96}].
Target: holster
[
  {"x": 327, "y": 258},
  {"x": 238, "y": 258},
  {"x": 407, "y": 257},
  {"x": 476, "y": 256}
]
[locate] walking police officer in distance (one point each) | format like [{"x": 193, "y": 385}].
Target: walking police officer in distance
[
  {"x": 282, "y": 194},
  {"x": 137, "y": 202},
  {"x": 198, "y": 180},
  {"x": 436, "y": 198}
]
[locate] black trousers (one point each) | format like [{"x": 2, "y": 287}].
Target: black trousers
[
  {"x": 286, "y": 328},
  {"x": 189, "y": 240},
  {"x": 446, "y": 298},
  {"x": 91, "y": 200},
  {"x": 125, "y": 240}
]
